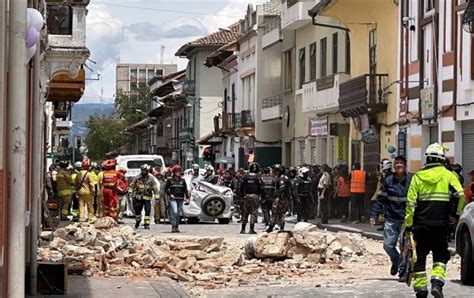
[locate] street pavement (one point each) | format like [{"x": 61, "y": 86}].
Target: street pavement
[{"x": 358, "y": 287}]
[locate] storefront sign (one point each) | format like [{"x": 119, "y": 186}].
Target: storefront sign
[
  {"x": 318, "y": 126},
  {"x": 341, "y": 150}
]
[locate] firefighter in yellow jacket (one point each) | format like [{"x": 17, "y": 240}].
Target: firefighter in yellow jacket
[
  {"x": 85, "y": 186},
  {"x": 427, "y": 215},
  {"x": 65, "y": 189}
]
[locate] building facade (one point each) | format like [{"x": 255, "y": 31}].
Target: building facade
[{"x": 130, "y": 77}]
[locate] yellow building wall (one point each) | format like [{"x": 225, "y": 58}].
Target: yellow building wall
[{"x": 360, "y": 20}]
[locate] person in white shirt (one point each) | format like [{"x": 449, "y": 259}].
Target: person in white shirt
[{"x": 323, "y": 192}]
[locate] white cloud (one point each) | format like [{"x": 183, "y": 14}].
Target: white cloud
[{"x": 179, "y": 28}]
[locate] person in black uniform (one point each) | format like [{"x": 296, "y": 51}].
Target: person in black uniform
[
  {"x": 303, "y": 194},
  {"x": 250, "y": 189},
  {"x": 269, "y": 185},
  {"x": 282, "y": 199}
]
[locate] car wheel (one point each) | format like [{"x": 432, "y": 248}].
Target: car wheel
[
  {"x": 223, "y": 221},
  {"x": 192, "y": 220},
  {"x": 213, "y": 205},
  {"x": 467, "y": 265}
]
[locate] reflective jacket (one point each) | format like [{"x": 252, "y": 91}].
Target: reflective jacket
[
  {"x": 358, "y": 181},
  {"x": 143, "y": 188},
  {"x": 429, "y": 196},
  {"x": 64, "y": 183},
  {"x": 110, "y": 178},
  {"x": 250, "y": 185},
  {"x": 85, "y": 184},
  {"x": 269, "y": 185},
  {"x": 392, "y": 197},
  {"x": 177, "y": 188}
]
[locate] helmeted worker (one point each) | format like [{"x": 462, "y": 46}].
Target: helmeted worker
[
  {"x": 177, "y": 192},
  {"x": 85, "y": 189},
  {"x": 143, "y": 187},
  {"x": 357, "y": 193},
  {"x": 75, "y": 197},
  {"x": 65, "y": 188},
  {"x": 122, "y": 191},
  {"x": 392, "y": 198},
  {"x": 159, "y": 198},
  {"x": 293, "y": 208},
  {"x": 282, "y": 199},
  {"x": 269, "y": 186},
  {"x": 109, "y": 182},
  {"x": 427, "y": 215},
  {"x": 250, "y": 189},
  {"x": 303, "y": 194},
  {"x": 95, "y": 179}
]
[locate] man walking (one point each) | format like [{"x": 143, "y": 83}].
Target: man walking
[
  {"x": 177, "y": 192},
  {"x": 392, "y": 198},
  {"x": 427, "y": 215},
  {"x": 250, "y": 189},
  {"x": 143, "y": 187}
]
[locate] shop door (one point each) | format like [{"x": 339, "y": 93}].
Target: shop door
[{"x": 467, "y": 149}]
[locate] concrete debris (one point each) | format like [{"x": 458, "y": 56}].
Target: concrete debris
[
  {"x": 104, "y": 223},
  {"x": 102, "y": 249}
]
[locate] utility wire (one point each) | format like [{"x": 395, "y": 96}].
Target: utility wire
[{"x": 162, "y": 10}]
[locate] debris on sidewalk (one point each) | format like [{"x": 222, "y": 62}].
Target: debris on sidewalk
[{"x": 304, "y": 253}]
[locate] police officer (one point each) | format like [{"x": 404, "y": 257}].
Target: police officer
[
  {"x": 282, "y": 198},
  {"x": 427, "y": 215},
  {"x": 293, "y": 208},
  {"x": 177, "y": 192},
  {"x": 250, "y": 190},
  {"x": 303, "y": 194},
  {"x": 269, "y": 185},
  {"x": 143, "y": 187}
]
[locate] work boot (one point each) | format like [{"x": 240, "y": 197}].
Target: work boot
[
  {"x": 146, "y": 226},
  {"x": 137, "y": 224},
  {"x": 437, "y": 289},
  {"x": 173, "y": 229},
  {"x": 177, "y": 229},
  {"x": 242, "y": 231},
  {"x": 252, "y": 229},
  {"x": 422, "y": 294},
  {"x": 269, "y": 229},
  {"x": 393, "y": 270},
  {"x": 282, "y": 227}
]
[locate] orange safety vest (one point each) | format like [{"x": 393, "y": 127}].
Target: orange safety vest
[{"x": 358, "y": 181}]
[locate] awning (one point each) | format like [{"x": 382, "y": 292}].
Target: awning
[
  {"x": 64, "y": 88},
  {"x": 141, "y": 124},
  {"x": 209, "y": 139}
]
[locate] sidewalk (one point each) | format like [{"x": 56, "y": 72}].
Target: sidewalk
[{"x": 100, "y": 287}]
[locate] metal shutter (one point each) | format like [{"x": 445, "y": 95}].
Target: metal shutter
[
  {"x": 467, "y": 148},
  {"x": 313, "y": 152},
  {"x": 434, "y": 134},
  {"x": 302, "y": 148}
]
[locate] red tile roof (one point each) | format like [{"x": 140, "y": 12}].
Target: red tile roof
[{"x": 217, "y": 39}]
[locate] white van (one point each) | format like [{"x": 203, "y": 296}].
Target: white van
[{"x": 132, "y": 163}]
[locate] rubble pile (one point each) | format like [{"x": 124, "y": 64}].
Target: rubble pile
[{"x": 203, "y": 262}]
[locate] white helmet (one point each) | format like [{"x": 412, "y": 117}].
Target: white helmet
[
  {"x": 437, "y": 151},
  {"x": 195, "y": 166},
  {"x": 385, "y": 165},
  {"x": 77, "y": 165},
  {"x": 303, "y": 171},
  {"x": 210, "y": 168}
]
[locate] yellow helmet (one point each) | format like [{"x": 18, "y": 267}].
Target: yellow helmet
[{"x": 437, "y": 151}]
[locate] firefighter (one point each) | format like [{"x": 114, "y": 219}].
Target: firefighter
[
  {"x": 177, "y": 192},
  {"x": 303, "y": 194},
  {"x": 427, "y": 215},
  {"x": 269, "y": 185},
  {"x": 65, "y": 188},
  {"x": 75, "y": 199},
  {"x": 95, "y": 179},
  {"x": 143, "y": 187},
  {"x": 109, "y": 182},
  {"x": 282, "y": 198},
  {"x": 159, "y": 198},
  {"x": 122, "y": 191},
  {"x": 250, "y": 190},
  {"x": 85, "y": 189}
]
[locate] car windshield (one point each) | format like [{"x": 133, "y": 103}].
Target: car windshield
[{"x": 136, "y": 164}]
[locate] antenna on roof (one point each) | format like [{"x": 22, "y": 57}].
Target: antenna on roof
[{"x": 162, "y": 54}]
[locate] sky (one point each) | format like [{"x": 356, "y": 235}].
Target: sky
[{"x": 132, "y": 31}]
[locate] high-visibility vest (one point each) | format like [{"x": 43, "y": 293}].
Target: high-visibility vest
[{"x": 358, "y": 181}]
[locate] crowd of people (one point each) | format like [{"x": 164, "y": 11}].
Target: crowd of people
[{"x": 427, "y": 203}]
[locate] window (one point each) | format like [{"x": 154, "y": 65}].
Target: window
[
  {"x": 313, "y": 152},
  {"x": 312, "y": 61},
  {"x": 159, "y": 72},
  {"x": 151, "y": 74},
  {"x": 302, "y": 148},
  {"x": 301, "y": 58},
  {"x": 334, "y": 52},
  {"x": 136, "y": 164},
  {"x": 133, "y": 74},
  {"x": 225, "y": 101},
  {"x": 142, "y": 74},
  {"x": 429, "y": 5},
  {"x": 348, "y": 53},
  {"x": 288, "y": 70},
  {"x": 59, "y": 19},
  {"x": 324, "y": 55}
]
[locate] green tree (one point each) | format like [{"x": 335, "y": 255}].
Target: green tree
[
  {"x": 127, "y": 105},
  {"x": 106, "y": 134}
]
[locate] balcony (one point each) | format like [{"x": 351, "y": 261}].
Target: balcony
[
  {"x": 294, "y": 13},
  {"x": 322, "y": 95},
  {"x": 271, "y": 109},
  {"x": 363, "y": 95},
  {"x": 61, "y": 109},
  {"x": 245, "y": 119}
]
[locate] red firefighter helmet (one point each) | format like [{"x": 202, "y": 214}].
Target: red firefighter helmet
[
  {"x": 176, "y": 167},
  {"x": 86, "y": 164},
  {"x": 109, "y": 164}
]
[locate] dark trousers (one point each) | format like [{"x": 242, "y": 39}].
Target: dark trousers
[
  {"x": 434, "y": 239},
  {"x": 357, "y": 206},
  {"x": 303, "y": 208},
  {"x": 343, "y": 206},
  {"x": 266, "y": 208},
  {"x": 333, "y": 210},
  {"x": 138, "y": 206},
  {"x": 324, "y": 206}
]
